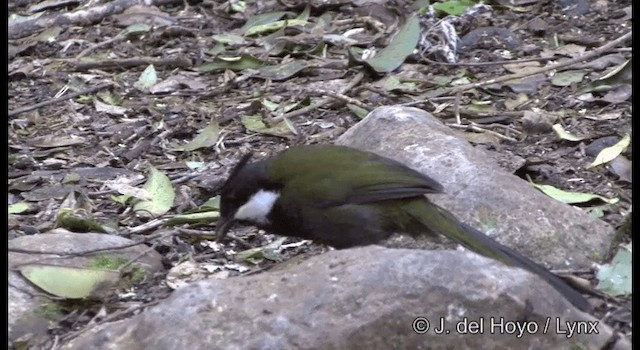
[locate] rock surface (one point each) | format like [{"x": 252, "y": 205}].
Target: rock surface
[
  {"x": 25, "y": 303},
  {"x": 479, "y": 192},
  {"x": 364, "y": 298}
]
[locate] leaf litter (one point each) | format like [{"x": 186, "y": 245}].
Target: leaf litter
[{"x": 226, "y": 67}]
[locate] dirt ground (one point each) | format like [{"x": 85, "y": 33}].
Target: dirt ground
[{"x": 76, "y": 100}]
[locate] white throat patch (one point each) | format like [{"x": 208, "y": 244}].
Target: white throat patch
[{"x": 257, "y": 207}]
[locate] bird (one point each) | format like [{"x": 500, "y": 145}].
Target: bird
[{"x": 345, "y": 197}]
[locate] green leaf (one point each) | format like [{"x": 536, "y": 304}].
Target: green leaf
[
  {"x": 147, "y": 79},
  {"x": 442, "y": 80},
  {"x": 392, "y": 83},
  {"x": 286, "y": 122},
  {"x": 610, "y": 153},
  {"x": 111, "y": 98},
  {"x": 193, "y": 165},
  {"x": 270, "y": 22},
  {"x": 453, "y": 7},
  {"x": 279, "y": 108},
  {"x": 49, "y": 35},
  {"x": 137, "y": 28},
  {"x": 217, "y": 49},
  {"x": 270, "y": 27},
  {"x": 318, "y": 50},
  {"x": 619, "y": 74},
  {"x": 231, "y": 39},
  {"x": 269, "y": 105},
  {"x": 269, "y": 251},
  {"x": 357, "y": 110},
  {"x": 262, "y": 19},
  {"x": 354, "y": 56},
  {"x": 567, "y": 78},
  {"x": 392, "y": 56},
  {"x": 18, "y": 208},
  {"x": 615, "y": 278},
  {"x": 481, "y": 106},
  {"x": 559, "y": 130},
  {"x": 272, "y": 46},
  {"x": 254, "y": 123},
  {"x": 162, "y": 195},
  {"x": 571, "y": 197},
  {"x": 304, "y": 15},
  {"x": 206, "y": 138},
  {"x": 238, "y": 6},
  {"x": 212, "y": 204},
  {"x": 122, "y": 199},
  {"x": 74, "y": 214},
  {"x": 70, "y": 282},
  {"x": 281, "y": 71},
  {"x": 67, "y": 218}
]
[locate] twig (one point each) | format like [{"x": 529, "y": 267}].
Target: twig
[
  {"x": 123, "y": 63},
  {"x": 86, "y": 91},
  {"x": 473, "y": 114},
  {"x": 456, "y": 107},
  {"x": 492, "y": 63},
  {"x": 345, "y": 98},
  {"x": 187, "y": 177},
  {"x": 476, "y": 128},
  {"x": 86, "y": 51},
  {"x": 355, "y": 81},
  {"x": 56, "y": 341},
  {"x": 83, "y": 17},
  {"x": 571, "y": 271},
  {"x": 145, "y": 227},
  {"x": 507, "y": 128}
]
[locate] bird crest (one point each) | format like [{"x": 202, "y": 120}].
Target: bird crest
[{"x": 236, "y": 169}]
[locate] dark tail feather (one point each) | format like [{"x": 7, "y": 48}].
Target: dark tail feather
[
  {"x": 513, "y": 258},
  {"x": 443, "y": 222}
]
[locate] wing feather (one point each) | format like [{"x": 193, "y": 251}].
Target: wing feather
[{"x": 329, "y": 175}]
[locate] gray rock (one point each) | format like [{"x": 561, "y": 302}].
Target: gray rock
[
  {"x": 364, "y": 298},
  {"x": 479, "y": 192},
  {"x": 27, "y": 318}
]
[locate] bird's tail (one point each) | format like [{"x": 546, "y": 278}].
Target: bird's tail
[{"x": 439, "y": 220}]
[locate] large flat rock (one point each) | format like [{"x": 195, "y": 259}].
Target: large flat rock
[
  {"x": 365, "y": 298},
  {"x": 481, "y": 193}
]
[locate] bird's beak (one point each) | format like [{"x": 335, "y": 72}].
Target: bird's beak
[{"x": 223, "y": 226}]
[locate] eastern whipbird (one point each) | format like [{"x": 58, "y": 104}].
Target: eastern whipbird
[{"x": 344, "y": 197}]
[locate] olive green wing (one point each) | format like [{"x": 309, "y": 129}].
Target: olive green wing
[{"x": 334, "y": 175}]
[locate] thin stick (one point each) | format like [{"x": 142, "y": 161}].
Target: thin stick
[
  {"x": 479, "y": 129},
  {"x": 58, "y": 99},
  {"x": 322, "y": 102}
]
